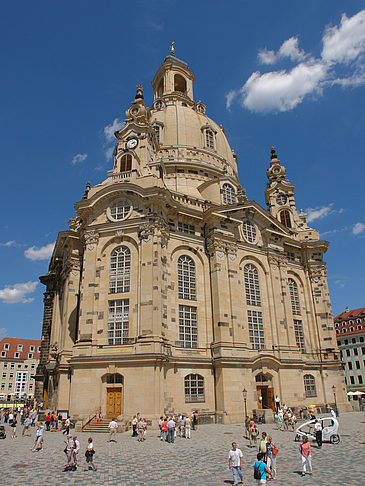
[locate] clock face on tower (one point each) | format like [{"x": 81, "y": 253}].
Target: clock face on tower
[{"x": 132, "y": 143}]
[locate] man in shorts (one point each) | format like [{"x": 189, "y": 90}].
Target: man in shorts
[{"x": 38, "y": 443}]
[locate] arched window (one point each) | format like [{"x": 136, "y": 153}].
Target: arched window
[
  {"x": 120, "y": 209},
  {"x": 249, "y": 231},
  {"x": 229, "y": 194},
  {"x": 294, "y": 297},
  {"x": 112, "y": 379},
  {"x": 120, "y": 270},
  {"x": 157, "y": 132},
  {"x": 285, "y": 218},
  {"x": 209, "y": 139},
  {"x": 252, "y": 285},
  {"x": 126, "y": 163},
  {"x": 194, "y": 388},
  {"x": 160, "y": 89},
  {"x": 179, "y": 83},
  {"x": 186, "y": 278},
  {"x": 309, "y": 386}
]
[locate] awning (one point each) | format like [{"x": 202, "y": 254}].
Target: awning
[
  {"x": 351, "y": 393},
  {"x": 358, "y": 393}
]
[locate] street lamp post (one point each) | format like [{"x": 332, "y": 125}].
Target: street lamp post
[
  {"x": 244, "y": 393},
  {"x": 334, "y": 395}
]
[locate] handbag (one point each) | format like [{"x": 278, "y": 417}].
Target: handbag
[{"x": 275, "y": 451}]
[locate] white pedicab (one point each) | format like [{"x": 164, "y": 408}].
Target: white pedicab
[{"x": 329, "y": 430}]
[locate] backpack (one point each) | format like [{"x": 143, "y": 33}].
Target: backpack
[{"x": 256, "y": 473}]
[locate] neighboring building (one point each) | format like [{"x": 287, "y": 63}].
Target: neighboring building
[
  {"x": 350, "y": 333},
  {"x": 171, "y": 291},
  {"x": 19, "y": 359}
]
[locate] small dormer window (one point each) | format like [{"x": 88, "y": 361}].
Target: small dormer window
[
  {"x": 126, "y": 163},
  {"x": 200, "y": 108},
  {"x": 209, "y": 139},
  {"x": 285, "y": 218},
  {"x": 229, "y": 194}
]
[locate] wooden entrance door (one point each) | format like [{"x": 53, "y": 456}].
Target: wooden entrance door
[
  {"x": 265, "y": 397},
  {"x": 113, "y": 402}
]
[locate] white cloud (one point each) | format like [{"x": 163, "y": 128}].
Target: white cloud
[
  {"x": 110, "y": 129},
  {"x": 9, "y": 243},
  {"x": 345, "y": 43},
  {"x": 319, "y": 212},
  {"x": 281, "y": 90},
  {"x": 76, "y": 159},
  {"x": 340, "y": 283},
  {"x": 332, "y": 232},
  {"x": 358, "y": 229},
  {"x": 3, "y": 332},
  {"x": 109, "y": 152},
  {"x": 13, "y": 294},
  {"x": 288, "y": 48},
  {"x": 42, "y": 253}
]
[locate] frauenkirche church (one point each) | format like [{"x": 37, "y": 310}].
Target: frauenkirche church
[{"x": 171, "y": 291}]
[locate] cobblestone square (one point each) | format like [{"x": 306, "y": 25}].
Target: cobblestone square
[{"x": 202, "y": 460}]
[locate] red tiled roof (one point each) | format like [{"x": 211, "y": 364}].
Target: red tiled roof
[
  {"x": 350, "y": 314},
  {"x": 13, "y": 347}
]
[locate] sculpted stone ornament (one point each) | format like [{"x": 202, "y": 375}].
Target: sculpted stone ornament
[
  {"x": 91, "y": 239},
  {"x": 277, "y": 260},
  {"x": 316, "y": 273},
  {"x": 232, "y": 251},
  {"x": 146, "y": 232},
  {"x": 216, "y": 246},
  {"x": 74, "y": 223}
]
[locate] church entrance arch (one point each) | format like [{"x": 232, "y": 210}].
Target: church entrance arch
[
  {"x": 265, "y": 391},
  {"x": 114, "y": 390}
]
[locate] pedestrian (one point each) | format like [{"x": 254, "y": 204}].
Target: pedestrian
[
  {"x": 68, "y": 451},
  {"x": 59, "y": 421},
  {"x": 53, "y": 422},
  {"x": 263, "y": 445},
  {"x": 67, "y": 426},
  {"x": 75, "y": 451},
  {"x": 33, "y": 416},
  {"x": 272, "y": 452},
  {"x": 187, "y": 427},
  {"x": 27, "y": 423},
  {"x": 13, "y": 426},
  {"x": 247, "y": 421},
  {"x": 318, "y": 432},
  {"x": 260, "y": 469},
  {"x": 140, "y": 430},
  {"x": 333, "y": 413},
  {"x": 48, "y": 421},
  {"x": 277, "y": 403},
  {"x": 305, "y": 450},
  {"x": 182, "y": 426},
  {"x": 196, "y": 420},
  {"x": 144, "y": 429},
  {"x": 171, "y": 430},
  {"x": 160, "y": 427},
  {"x": 192, "y": 421},
  {"x": 38, "y": 443},
  {"x": 134, "y": 426},
  {"x": 113, "y": 428},
  {"x": 164, "y": 429},
  {"x": 235, "y": 463},
  {"x": 254, "y": 432},
  {"x": 89, "y": 454}
]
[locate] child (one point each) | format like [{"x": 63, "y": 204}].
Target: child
[
  {"x": 89, "y": 454},
  {"x": 305, "y": 450}
]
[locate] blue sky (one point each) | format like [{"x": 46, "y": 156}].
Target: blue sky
[{"x": 289, "y": 74}]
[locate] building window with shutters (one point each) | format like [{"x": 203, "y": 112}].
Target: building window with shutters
[
  {"x": 186, "y": 278},
  {"x": 188, "y": 328},
  {"x": 118, "y": 321},
  {"x": 194, "y": 388},
  {"x": 252, "y": 286},
  {"x": 120, "y": 270},
  {"x": 309, "y": 386}
]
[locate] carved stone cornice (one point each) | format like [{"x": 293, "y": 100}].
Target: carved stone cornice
[
  {"x": 91, "y": 239},
  {"x": 277, "y": 260},
  {"x": 317, "y": 273},
  {"x": 217, "y": 246},
  {"x": 155, "y": 227}
]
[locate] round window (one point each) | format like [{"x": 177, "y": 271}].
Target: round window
[
  {"x": 120, "y": 210},
  {"x": 249, "y": 231},
  {"x": 281, "y": 199}
]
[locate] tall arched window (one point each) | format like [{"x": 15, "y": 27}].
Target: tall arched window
[
  {"x": 209, "y": 139},
  {"x": 294, "y": 297},
  {"x": 179, "y": 83},
  {"x": 126, "y": 163},
  {"x": 252, "y": 285},
  {"x": 285, "y": 218},
  {"x": 229, "y": 194},
  {"x": 186, "y": 278},
  {"x": 120, "y": 270},
  {"x": 194, "y": 388},
  {"x": 309, "y": 386}
]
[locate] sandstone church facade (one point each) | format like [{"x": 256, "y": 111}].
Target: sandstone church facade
[{"x": 172, "y": 291}]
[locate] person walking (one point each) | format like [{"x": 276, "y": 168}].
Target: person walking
[
  {"x": 277, "y": 403},
  {"x": 260, "y": 469},
  {"x": 318, "y": 431},
  {"x": 263, "y": 445},
  {"x": 13, "y": 426},
  {"x": 27, "y": 423},
  {"x": 164, "y": 429},
  {"x": 48, "y": 421},
  {"x": 134, "y": 426},
  {"x": 113, "y": 428},
  {"x": 272, "y": 452},
  {"x": 235, "y": 463},
  {"x": 38, "y": 443},
  {"x": 68, "y": 451},
  {"x": 75, "y": 451},
  {"x": 160, "y": 422},
  {"x": 67, "y": 426},
  {"x": 254, "y": 432},
  {"x": 89, "y": 454},
  {"x": 187, "y": 427},
  {"x": 333, "y": 413},
  {"x": 140, "y": 430},
  {"x": 305, "y": 450},
  {"x": 171, "y": 430},
  {"x": 247, "y": 422}
]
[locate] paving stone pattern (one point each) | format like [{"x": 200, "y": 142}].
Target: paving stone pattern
[{"x": 202, "y": 460}]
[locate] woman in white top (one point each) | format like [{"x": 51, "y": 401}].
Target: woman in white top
[{"x": 89, "y": 454}]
